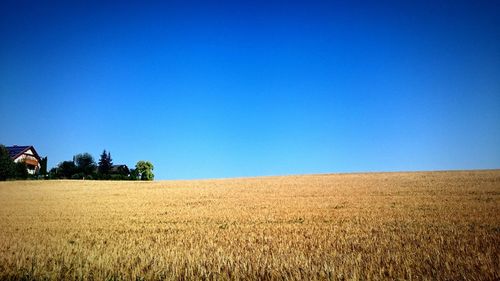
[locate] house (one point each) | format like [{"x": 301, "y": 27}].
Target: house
[
  {"x": 25, "y": 154},
  {"x": 120, "y": 170}
]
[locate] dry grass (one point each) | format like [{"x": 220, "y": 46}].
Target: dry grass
[{"x": 413, "y": 226}]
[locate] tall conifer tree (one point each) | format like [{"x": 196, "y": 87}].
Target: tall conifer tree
[{"x": 105, "y": 163}]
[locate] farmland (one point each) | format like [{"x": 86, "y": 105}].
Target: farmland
[{"x": 412, "y": 226}]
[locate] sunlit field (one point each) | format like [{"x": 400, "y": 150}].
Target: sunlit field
[{"x": 412, "y": 226}]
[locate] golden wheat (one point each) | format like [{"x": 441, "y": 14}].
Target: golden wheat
[{"x": 412, "y": 226}]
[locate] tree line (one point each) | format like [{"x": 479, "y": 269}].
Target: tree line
[{"x": 83, "y": 166}]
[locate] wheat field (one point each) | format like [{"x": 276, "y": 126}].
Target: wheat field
[{"x": 406, "y": 226}]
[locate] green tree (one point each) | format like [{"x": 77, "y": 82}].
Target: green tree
[
  {"x": 145, "y": 169},
  {"x": 21, "y": 170},
  {"x": 7, "y": 166},
  {"x": 84, "y": 163},
  {"x": 43, "y": 167},
  {"x": 66, "y": 170},
  {"x": 105, "y": 163},
  {"x": 52, "y": 173}
]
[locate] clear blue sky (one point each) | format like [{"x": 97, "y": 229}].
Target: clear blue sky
[{"x": 264, "y": 88}]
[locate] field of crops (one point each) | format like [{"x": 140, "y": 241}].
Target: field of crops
[{"x": 413, "y": 226}]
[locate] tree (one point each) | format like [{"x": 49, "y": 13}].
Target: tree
[
  {"x": 21, "y": 170},
  {"x": 53, "y": 173},
  {"x": 105, "y": 163},
  {"x": 145, "y": 168},
  {"x": 84, "y": 163},
  {"x": 7, "y": 166},
  {"x": 43, "y": 167},
  {"x": 66, "y": 169}
]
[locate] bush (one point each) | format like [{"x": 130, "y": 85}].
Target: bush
[
  {"x": 117, "y": 177},
  {"x": 77, "y": 176},
  {"x": 134, "y": 175},
  {"x": 100, "y": 176}
]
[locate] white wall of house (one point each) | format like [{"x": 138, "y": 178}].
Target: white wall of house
[{"x": 23, "y": 157}]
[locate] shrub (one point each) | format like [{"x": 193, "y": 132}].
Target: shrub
[
  {"x": 134, "y": 175},
  {"x": 117, "y": 177},
  {"x": 77, "y": 176}
]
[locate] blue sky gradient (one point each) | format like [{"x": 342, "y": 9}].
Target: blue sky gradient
[{"x": 232, "y": 89}]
